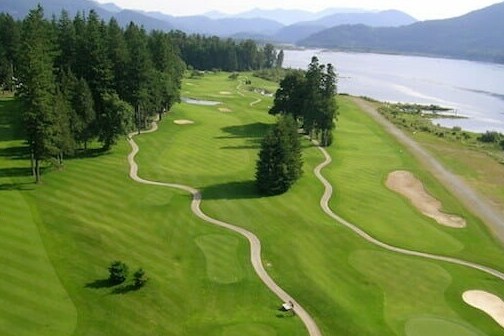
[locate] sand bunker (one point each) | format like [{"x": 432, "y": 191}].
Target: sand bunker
[
  {"x": 199, "y": 101},
  {"x": 223, "y": 109},
  {"x": 487, "y": 302},
  {"x": 225, "y": 93},
  {"x": 183, "y": 122},
  {"x": 406, "y": 184}
]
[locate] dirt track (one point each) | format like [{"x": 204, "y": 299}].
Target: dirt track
[{"x": 471, "y": 200}]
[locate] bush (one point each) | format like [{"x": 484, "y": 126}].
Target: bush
[
  {"x": 490, "y": 137},
  {"x": 118, "y": 272},
  {"x": 139, "y": 278}
]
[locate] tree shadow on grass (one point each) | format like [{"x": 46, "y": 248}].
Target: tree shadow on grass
[
  {"x": 101, "y": 283},
  {"x": 16, "y": 153},
  {"x": 90, "y": 153},
  {"x": 254, "y": 130},
  {"x": 231, "y": 190},
  {"x": 125, "y": 289},
  {"x": 16, "y": 186},
  {"x": 15, "y": 172}
]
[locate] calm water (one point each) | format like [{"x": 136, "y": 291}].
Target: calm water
[{"x": 472, "y": 89}]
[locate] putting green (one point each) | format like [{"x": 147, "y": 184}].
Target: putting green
[
  {"x": 405, "y": 299},
  {"x": 432, "y": 326},
  {"x": 220, "y": 254}
]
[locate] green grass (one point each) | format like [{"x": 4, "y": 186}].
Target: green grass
[
  {"x": 201, "y": 281},
  {"x": 57, "y": 239}
]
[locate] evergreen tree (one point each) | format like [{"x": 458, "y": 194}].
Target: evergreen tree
[
  {"x": 116, "y": 119},
  {"x": 118, "y": 272},
  {"x": 140, "y": 73},
  {"x": 270, "y": 56},
  {"x": 62, "y": 140},
  {"x": 280, "y": 59},
  {"x": 117, "y": 51},
  {"x": 289, "y": 98},
  {"x": 10, "y": 34},
  {"x": 37, "y": 87},
  {"x": 280, "y": 161},
  {"x": 66, "y": 39},
  {"x": 310, "y": 99}
]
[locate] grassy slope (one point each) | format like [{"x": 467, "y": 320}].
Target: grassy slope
[
  {"x": 92, "y": 213},
  {"x": 314, "y": 261},
  {"x": 351, "y": 287}
]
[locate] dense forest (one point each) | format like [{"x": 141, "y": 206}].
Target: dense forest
[{"x": 81, "y": 79}]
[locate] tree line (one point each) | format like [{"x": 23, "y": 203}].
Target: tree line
[
  {"x": 83, "y": 79},
  {"x": 212, "y": 53}
]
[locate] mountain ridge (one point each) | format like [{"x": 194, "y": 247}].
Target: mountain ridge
[{"x": 476, "y": 35}]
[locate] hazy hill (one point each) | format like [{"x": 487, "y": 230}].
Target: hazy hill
[
  {"x": 20, "y": 8},
  {"x": 300, "y": 31},
  {"x": 221, "y": 27},
  {"x": 285, "y": 16},
  {"x": 477, "y": 35},
  {"x": 110, "y": 6}
]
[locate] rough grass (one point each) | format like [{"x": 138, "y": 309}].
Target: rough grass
[{"x": 201, "y": 281}]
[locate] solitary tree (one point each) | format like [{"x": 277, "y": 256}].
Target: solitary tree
[
  {"x": 280, "y": 161},
  {"x": 118, "y": 272}
]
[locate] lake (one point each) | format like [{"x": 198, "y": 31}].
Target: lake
[{"x": 472, "y": 89}]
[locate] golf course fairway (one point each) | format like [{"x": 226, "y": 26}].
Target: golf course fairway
[{"x": 57, "y": 238}]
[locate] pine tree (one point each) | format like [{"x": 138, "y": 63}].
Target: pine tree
[
  {"x": 37, "y": 87},
  {"x": 116, "y": 118},
  {"x": 280, "y": 159}
]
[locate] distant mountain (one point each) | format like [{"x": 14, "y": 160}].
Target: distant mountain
[
  {"x": 388, "y": 18},
  {"x": 221, "y": 27},
  {"x": 284, "y": 16},
  {"x": 215, "y": 15},
  {"x": 300, "y": 31},
  {"x": 20, "y": 8},
  {"x": 111, "y": 7},
  {"x": 477, "y": 36}
]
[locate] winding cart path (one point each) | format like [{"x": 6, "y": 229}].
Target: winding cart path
[{"x": 255, "y": 243}]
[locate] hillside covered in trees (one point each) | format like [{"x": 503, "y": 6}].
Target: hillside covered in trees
[
  {"x": 476, "y": 36},
  {"x": 81, "y": 79}
]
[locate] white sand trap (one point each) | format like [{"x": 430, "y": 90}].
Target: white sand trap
[
  {"x": 223, "y": 109},
  {"x": 406, "y": 184},
  {"x": 183, "y": 122},
  {"x": 487, "y": 302},
  {"x": 225, "y": 93}
]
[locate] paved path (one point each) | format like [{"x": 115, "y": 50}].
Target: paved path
[
  {"x": 471, "y": 200},
  {"x": 255, "y": 102},
  {"x": 255, "y": 243}
]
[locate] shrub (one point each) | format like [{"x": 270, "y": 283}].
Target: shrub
[
  {"x": 118, "y": 272},
  {"x": 139, "y": 278}
]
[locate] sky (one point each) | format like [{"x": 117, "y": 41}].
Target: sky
[{"x": 420, "y": 9}]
